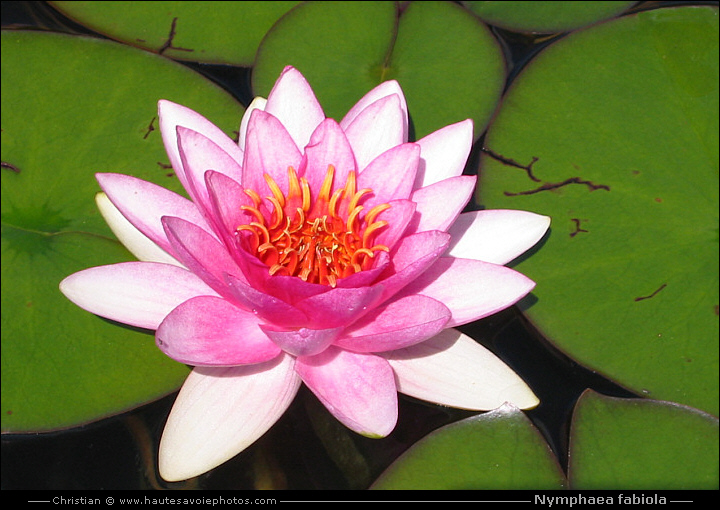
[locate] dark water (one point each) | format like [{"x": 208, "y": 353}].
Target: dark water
[{"x": 307, "y": 448}]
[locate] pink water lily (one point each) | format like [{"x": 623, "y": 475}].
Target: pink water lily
[{"x": 330, "y": 254}]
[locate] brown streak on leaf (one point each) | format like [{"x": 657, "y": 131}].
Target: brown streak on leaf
[
  {"x": 555, "y": 185},
  {"x": 513, "y": 163},
  {"x": 653, "y": 294},
  {"x": 577, "y": 222}
]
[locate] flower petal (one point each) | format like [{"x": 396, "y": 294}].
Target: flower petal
[
  {"x": 269, "y": 149},
  {"x": 339, "y": 306},
  {"x": 221, "y": 411},
  {"x": 259, "y": 103},
  {"x": 328, "y": 146},
  {"x": 496, "y": 236},
  {"x": 140, "y": 294},
  {"x": 268, "y": 307},
  {"x": 173, "y": 115},
  {"x": 302, "y": 341},
  {"x": 205, "y": 256},
  {"x": 391, "y": 175},
  {"x": 439, "y": 204},
  {"x": 207, "y": 330},
  {"x": 398, "y": 324},
  {"x": 444, "y": 153},
  {"x": 293, "y": 102},
  {"x": 471, "y": 289},
  {"x": 198, "y": 155},
  {"x": 358, "y": 389},
  {"x": 454, "y": 370},
  {"x": 385, "y": 89},
  {"x": 379, "y": 127},
  {"x": 135, "y": 241},
  {"x": 144, "y": 204}
]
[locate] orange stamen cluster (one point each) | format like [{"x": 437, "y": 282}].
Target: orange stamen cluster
[{"x": 318, "y": 242}]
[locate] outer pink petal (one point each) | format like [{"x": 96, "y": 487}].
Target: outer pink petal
[
  {"x": 454, "y": 370},
  {"x": 269, "y": 149},
  {"x": 221, "y": 411},
  {"x": 293, "y": 102},
  {"x": 385, "y": 89},
  {"x": 378, "y": 128},
  {"x": 198, "y": 155},
  {"x": 439, "y": 204},
  {"x": 302, "y": 341},
  {"x": 496, "y": 236},
  {"x": 144, "y": 204},
  {"x": 398, "y": 324},
  {"x": 135, "y": 241},
  {"x": 471, "y": 289},
  {"x": 140, "y": 294},
  {"x": 391, "y": 175},
  {"x": 173, "y": 115},
  {"x": 444, "y": 153},
  {"x": 358, "y": 389},
  {"x": 208, "y": 330}
]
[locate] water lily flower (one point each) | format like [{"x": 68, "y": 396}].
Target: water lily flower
[{"x": 330, "y": 254}]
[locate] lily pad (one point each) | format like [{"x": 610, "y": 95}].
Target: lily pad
[
  {"x": 73, "y": 106},
  {"x": 641, "y": 444},
  {"x": 613, "y": 132},
  {"x": 208, "y": 32},
  {"x": 500, "y": 449},
  {"x": 545, "y": 17},
  {"x": 447, "y": 62}
]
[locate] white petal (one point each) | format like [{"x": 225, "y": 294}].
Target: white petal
[
  {"x": 496, "y": 236},
  {"x": 221, "y": 411},
  {"x": 135, "y": 241},
  {"x": 454, "y": 370},
  {"x": 443, "y": 153},
  {"x": 258, "y": 103}
]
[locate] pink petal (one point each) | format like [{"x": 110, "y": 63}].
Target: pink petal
[
  {"x": 358, "y": 389},
  {"x": 140, "y": 294},
  {"x": 381, "y": 126},
  {"x": 339, "y": 306},
  {"x": 227, "y": 198},
  {"x": 444, "y": 153},
  {"x": 302, "y": 341},
  {"x": 471, "y": 289},
  {"x": 454, "y": 370},
  {"x": 269, "y": 149},
  {"x": 293, "y": 102},
  {"x": 398, "y": 324},
  {"x": 268, "y": 307},
  {"x": 385, "y": 89},
  {"x": 496, "y": 236},
  {"x": 328, "y": 146},
  {"x": 135, "y": 241},
  {"x": 144, "y": 204},
  {"x": 399, "y": 216},
  {"x": 391, "y": 175},
  {"x": 439, "y": 204},
  {"x": 413, "y": 255},
  {"x": 208, "y": 330},
  {"x": 201, "y": 253},
  {"x": 221, "y": 411},
  {"x": 198, "y": 155},
  {"x": 173, "y": 115}
]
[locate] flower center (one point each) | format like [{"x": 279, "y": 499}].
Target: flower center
[{"x": 319, "y": 242}]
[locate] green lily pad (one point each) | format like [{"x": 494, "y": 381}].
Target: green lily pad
[
  {"x": 500, "y": 449},
  {"x": 208, "y": 32},
  {"x": 613, "y": 132},
  {"x": 73, "y": 106},
  {"x": 641, "y": 444},
  {"x": 546, "y": 17},
  {"x": 447, "y": 62}
]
